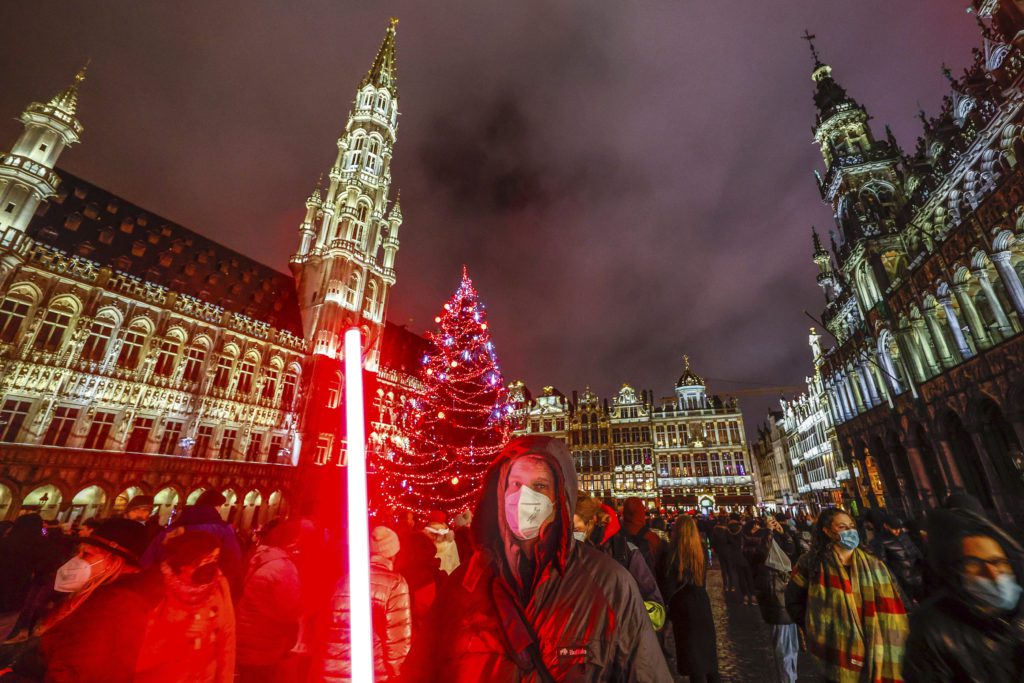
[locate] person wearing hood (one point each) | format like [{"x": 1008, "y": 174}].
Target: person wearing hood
[
  {"x": 204, "y": 516},
  {"x": 268, "y": 611},
  {"x": 534, "y": 604},
  {"x": 973, "y": 628},
  {"x": 636, "y": 531},
  {"x": 447, "y": 552}
]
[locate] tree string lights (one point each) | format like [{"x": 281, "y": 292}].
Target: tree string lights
[{"x": 456, "y": 427}]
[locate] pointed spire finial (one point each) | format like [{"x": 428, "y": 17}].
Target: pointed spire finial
[
  {"x": 809, "y": 37},
  {"x": 948, "y": 74},
  {"x": 818, "y": 249},
  {"x": 382, "y": 73},
  {"x": 67, "y": 99}
]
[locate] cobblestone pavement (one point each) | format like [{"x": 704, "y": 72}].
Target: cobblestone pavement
[{"x": 744, "y": 643}]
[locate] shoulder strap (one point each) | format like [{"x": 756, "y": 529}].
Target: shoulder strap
[{"x": 520, "y": 637}]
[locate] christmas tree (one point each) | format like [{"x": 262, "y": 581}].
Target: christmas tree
[{"x": 459, "y": 423}]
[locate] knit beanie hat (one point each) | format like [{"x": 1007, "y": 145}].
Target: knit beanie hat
[{"x": 384, "y": 542}]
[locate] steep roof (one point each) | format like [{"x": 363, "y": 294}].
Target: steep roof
[{"x": 88, "y": 221}]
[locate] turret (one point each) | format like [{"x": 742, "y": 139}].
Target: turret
[
  {"x": 826, "y": 276},
  {"x": 27, "y": 175}
]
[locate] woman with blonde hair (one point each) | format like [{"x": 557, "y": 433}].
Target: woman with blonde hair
[{"x": 682, "y": 575}]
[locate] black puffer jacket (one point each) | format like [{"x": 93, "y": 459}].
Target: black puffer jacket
[
  {"x": 951, "y": 639},
  {"x": 904, "y": 560},
  {"x": 770, "y": 584},
  {"x": 584, "y": 607}
]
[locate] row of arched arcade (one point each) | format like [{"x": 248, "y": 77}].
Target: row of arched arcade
[{"x": 246, "y": 510}]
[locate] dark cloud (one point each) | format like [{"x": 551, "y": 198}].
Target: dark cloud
[{"x": 626, "y": 181}]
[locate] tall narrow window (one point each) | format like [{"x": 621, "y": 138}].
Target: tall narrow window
[
  {"x": 52, "y": 329},
  {"x": 131, "y": 348},
  {"x": 277, "y": 450},
  {"x": 140, "y": 435},
  {"x": 171, "y": 437},
  {"x": 352, "y": 291},
  {"x": 95, "y": 347},
  {"x": 12, "y": 313},
  {"x": 246, "y": 370},
  {"x": 204, "y": 437},
  {"x": 167, "y": 355},
  {"x": 195, "y": 356},
  {"x": 12, "y": 417},
  {"x": 59, "y": 433},
  {"x": 291, "y": 382},
  {"x": 221, "y": 378},
  {"x": 270, "y": 385},
  {"x": 227, "y": 444},
  {"x": 252, "y": 453},
  {"x": 99, "y": 430}
]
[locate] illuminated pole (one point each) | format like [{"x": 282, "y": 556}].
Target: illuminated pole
[{"x": 360, "y": 625}]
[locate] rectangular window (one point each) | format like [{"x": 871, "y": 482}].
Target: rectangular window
[
  {"x": 245, "y": 372},
  {"x": 323, "y": 449},
  {"x": 12, "y": 417},
  {"x": 95, "y": 347},
  {"x": 131, "y": 349},
  {"x": 252, "y": 453},
  {"x": 225, "y": 364},
  {"x": 227, "y": 444},
  {"x": 194, "y": 358},
  {"x": 204, "y": 437},
  {"x": 140, "y": 435},
  {"x": 51, "y": 331},
  {"x": 288, "y": 394},
  {"x": 172, "y": 435},
  {"x": 11, "y": 314},
  {"x": 167, "y": 354},
  {"x": 99, "y": 430},
  {"x": 277, "y": 451},
  {"x": 270, "y": 385},
  {"x": 64, "y": 418}
]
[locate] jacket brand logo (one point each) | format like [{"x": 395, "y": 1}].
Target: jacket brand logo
[{"x": 572, "y": 652}]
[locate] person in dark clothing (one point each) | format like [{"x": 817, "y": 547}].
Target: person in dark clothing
[
  {"x": 532, "y": 603},
  {"x": 204, "y": 516},
  {"x": 773, "y": 563},
  {"x": 973, "y": 628},
  {"x": 24, "y": 553},
  {"x": 894, "y": 547},
  {"x": 682, "y": 578},
  {"x": 637, "y": 532},
  {"x": 720, "y": 547},
  {"x": 742, "y": 578}
]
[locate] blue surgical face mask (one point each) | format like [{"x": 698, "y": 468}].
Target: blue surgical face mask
[
  {"x": 1002, "y": 594},
  {"x": 849, "y": 539}
]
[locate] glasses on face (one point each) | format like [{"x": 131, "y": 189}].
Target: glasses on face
[{"x": 977, "y": 566}]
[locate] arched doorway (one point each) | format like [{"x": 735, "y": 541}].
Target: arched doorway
[
  {"x": 250, "y": 511},
  {"x": 228, "y": 509},
  {"x": 275, "y": 507},
  {"x": 45, "y": 500},
  {"x": 932, "y": 467},
  {"x": 123, "y": 498},
  {"x": 1003, "y": 448},
  {"x": 166, "y": 503},
  {"x": 87, "y": 503},
  {"x": 6, "y": 499},
  {"x": 194, "y": 496},
  {"x": 968, "y": 461},
  {"x": 905, "y": 482}
]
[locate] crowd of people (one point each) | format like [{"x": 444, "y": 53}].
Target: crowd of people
[{"x": 540, "y": 582}]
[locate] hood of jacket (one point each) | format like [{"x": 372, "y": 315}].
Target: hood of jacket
[
  {"x": 490, "y": 530},
  {"x": 946, "y": 531}
]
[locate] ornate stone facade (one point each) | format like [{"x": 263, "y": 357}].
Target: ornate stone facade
[
  {"x": 137, "y": 356},
  {"x": 924, "y": 295},
  {"x": 687, "y": 451}
]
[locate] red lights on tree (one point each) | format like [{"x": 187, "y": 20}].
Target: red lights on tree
[{"x": 455, "y": 428}]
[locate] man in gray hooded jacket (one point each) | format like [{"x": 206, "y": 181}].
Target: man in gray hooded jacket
[{"x": 533, "y": 604}]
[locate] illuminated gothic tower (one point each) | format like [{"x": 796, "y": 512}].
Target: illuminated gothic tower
[
  {"x": 26, "y": 172},
  {"x": 344, "y": 267},
  {"x": 345, "y": 264}
]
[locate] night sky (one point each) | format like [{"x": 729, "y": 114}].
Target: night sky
[{"x": 627, "y": 181}]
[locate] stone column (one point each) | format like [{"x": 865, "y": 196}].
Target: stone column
[
  {"x": 954, "y": 326},
  {"x": 924, "y": 483},
  {"x": 912, "y": 359},
  {"x": 920, "y": 336},
  {"x": 974, "y": 321},
  {"x": 869, "y": 383},
  {"x": 858, "y": 395},
  {"x": 935, "y": 327},
  {"x": 842, "y": 407},
  {"x": 1008, "y": 275},
  {"x": 1005, "y": 328}
]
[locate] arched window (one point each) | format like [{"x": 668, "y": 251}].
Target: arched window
[
  {"x": 12, "y": 313},
  {"x": 290, "y": 387},
  {"x": 352, "y": 291},
  {"x": 272, "y": 375},
  {"x": 98, "y": 341},
  {"x": 225, "y": 366},
  {"x": 195, "y": 356},
  {"x": 359, "y": 225},
  {"x": 246, "y": 370},
  {"x": 372, "y": 305},
  {"x": 54, "y": 327},
  {"x": 167, "y": 354},
  {"x": 131, "y": 346}
]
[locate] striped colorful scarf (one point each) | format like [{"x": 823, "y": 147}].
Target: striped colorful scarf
[{"x": 856, "y": 624}]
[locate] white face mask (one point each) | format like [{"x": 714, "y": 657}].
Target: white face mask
[
  {"x": 525, "y": 511},
  {"x": 73, "y": 575},
  {"x": 580, "y": 536}
]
